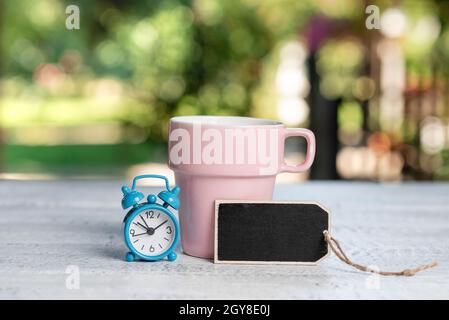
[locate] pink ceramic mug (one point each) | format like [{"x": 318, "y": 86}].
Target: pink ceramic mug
[{"x": 216, "y": 157}]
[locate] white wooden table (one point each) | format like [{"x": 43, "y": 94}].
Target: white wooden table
[{"x": 49, "y": 228}]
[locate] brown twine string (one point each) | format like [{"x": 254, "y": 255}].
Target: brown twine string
[{"x": 336, "y": 248}]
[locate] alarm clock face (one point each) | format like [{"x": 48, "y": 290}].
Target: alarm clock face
[{"x": 151, "y": 232}]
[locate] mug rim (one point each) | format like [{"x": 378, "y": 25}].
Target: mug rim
[{"x": 225, "y": 121}]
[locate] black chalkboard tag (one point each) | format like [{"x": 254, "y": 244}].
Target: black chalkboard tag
[{"x": 270, "y": 232}]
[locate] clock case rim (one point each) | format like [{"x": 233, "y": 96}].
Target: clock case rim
[{"x": 135, "y": 211}]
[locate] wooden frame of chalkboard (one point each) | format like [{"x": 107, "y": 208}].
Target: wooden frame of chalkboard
[{"x": 304, "y": 263}]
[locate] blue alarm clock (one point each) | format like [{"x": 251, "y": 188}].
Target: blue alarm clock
[{"x": 151, "y": 229}]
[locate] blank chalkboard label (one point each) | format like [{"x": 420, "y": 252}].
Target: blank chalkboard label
[{"x": 277, "y": 232}]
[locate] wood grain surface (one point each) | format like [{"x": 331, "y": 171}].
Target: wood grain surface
[{"x": 47, "y": 226}]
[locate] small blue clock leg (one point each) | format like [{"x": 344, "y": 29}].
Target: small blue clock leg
[
  {"x": 129, "y": 257},
  {"x": 171, "y": 256}
]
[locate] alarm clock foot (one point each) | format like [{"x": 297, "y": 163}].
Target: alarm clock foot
[
  {"x": 172, "y": 256},
  {"x": 129, "y": 257}
]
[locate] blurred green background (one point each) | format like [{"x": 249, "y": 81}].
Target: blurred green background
[{"x": 95, "y": 102}]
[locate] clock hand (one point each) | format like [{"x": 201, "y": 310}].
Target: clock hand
[
  {"x": 139, "y": 234},
  {"x": 141, "y": 225},
  {"x": 160, "y": 224},
  {"x": 144, "y": 222}
]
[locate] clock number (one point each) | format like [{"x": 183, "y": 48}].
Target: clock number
[
  {"x": 169, "y": 231},
  {"x": 150, "y": 214},
  {"x": 132, "y": 232},
  {"x": 151, "y": 249}
]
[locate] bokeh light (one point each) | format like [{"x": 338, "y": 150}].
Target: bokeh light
[
  {"x": 433, "y": 135},
  {"x": 393, "y": 23}
]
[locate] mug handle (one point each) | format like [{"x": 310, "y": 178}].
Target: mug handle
[{"x": 310, "y": 153}]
